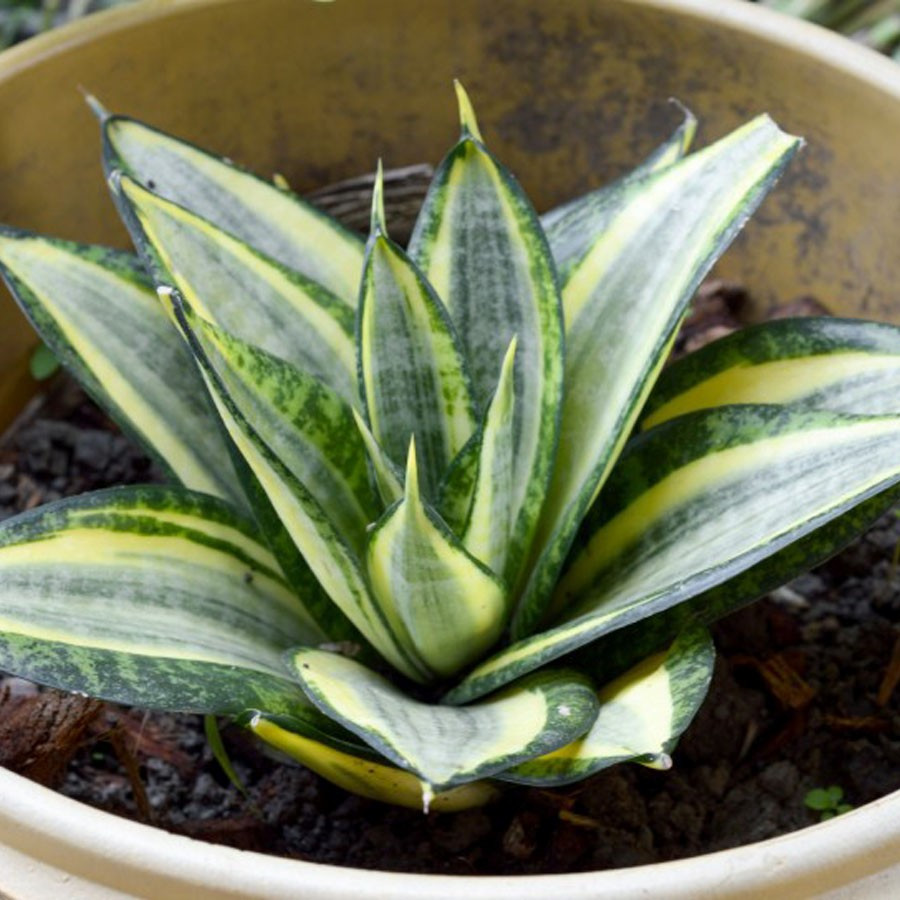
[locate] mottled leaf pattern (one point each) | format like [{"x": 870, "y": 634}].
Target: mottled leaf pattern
[
  {"x": 839, "y": 364},
  {"x": 440, "y": 454},
  {"x": 273, "y": 220},
  {"x": 335, "y": 564},
  {"x": 98, "y": 312},
  {"x": 622, "y": 304},
  {"x": 442, "y": 745},
  {"x": 693, "y": 503},
  {"x": 242, "y": 291},
  {"x": 155, "y": 596},
  {"x": 480, "y": 244},
  {"x": 451, "y": 606},
  {"x": 642, "y": 715},
  {"x": 412, "y": 375},
  {"x": 574, "y": 227}
]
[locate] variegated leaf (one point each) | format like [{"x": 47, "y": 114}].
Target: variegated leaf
[
  {"x": 820, "y": 363},
  {"x": 98, "y": 312},
  {"x": 622, "y": 304},
  {"x": 452, "y": 606},
  {"x": 695, "y": 502},
  {"x": 642, "y": 715},
  {"x": 335, "y": 564},
  {"x": 575, "y": 226},
  {"x": 613, "y": 654},
  {"x": 362, "y": 773},
  {"x": 480, "y": 244},
  {"x": 491, "y": 519},
  {"x": 249, "y": 295},
  {"x": 445, "y": 746},
  {"x": 305, "y": 424},
  {"x": 271, "y": 219},
  {"x": 388, "y": 477},
  {"x": 458, "y": 486},
  {"x": 154, "y": 596},
  {"x": 413, "y": 379}
]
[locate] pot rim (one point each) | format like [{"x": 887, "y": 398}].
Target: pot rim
[
  {"x": 39, "y": 827},
  {"x": 44, "y": 828}
]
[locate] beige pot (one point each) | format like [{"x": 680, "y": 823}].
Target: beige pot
[{"x": 569, "y": 93}]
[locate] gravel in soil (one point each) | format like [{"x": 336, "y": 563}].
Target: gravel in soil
[{"x": 803, "y": 696}]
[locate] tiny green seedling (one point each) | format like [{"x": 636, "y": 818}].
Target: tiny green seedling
[{"x": 827, "y": 801}]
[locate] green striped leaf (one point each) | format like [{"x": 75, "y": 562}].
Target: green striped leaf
[
  {"x": 442, "y": 745},
  {"x": 642, "y": 715},
  {"x": 274, "y": 221},
  {"x": 481, "y": 246},
  {"x": 452, "y": 607},
  {"x": 154, "y": 596},
  {"x": 573, "y": 227},
  {"x": 693, "y": 503},
  {"x": 458, "y": 486},
  {"x": 412, "y": 375},
  {"x": 491, "y": 518},
  {"x": 822, "y": 363},
  {"x": 388, "y": 477},
  {"x": 360, "y": 773},
  {"x": 611, "y": 655},
  {"x": 334, "y": 563},
  {"x": 99, "y": 314},
  {"x": 622, "y": 305},
  {"x": 237, "y": 288},
  {"x": 306, "y": 425}
]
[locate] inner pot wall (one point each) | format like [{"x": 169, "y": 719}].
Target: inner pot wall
[{"x": 569, "y": 94}]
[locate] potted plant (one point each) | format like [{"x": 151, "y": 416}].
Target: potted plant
[{"x": 191, "y": 12}]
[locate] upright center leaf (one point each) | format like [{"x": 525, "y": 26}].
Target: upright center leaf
[
  {"x": 481, "y": 246},
  {"x": 413, "y": 378}
]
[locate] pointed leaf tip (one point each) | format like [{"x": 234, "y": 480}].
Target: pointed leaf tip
[
  {"x": 411, "y": 490},
  {"x": 96, "y": 107},
  {"x": 378, "y": 224},
  {"x": 688, "y": 127},
  {"x": 467, "y": 119}
]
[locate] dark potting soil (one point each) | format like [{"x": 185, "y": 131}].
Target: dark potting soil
[{"x": 803, "y": 696}]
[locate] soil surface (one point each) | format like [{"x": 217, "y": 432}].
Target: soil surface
[{"x": 803, "y": 697}]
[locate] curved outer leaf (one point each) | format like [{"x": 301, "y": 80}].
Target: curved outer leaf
[
  {"x": 839, "y": 364},
  {"x": 489, "y": 526},
  {"x": 622, "y": 304},
  {"x": 274, "y": 221},
  {"x": 333, "y": 562},
  {"x": 642, "y": 715},
  {"x": 574, "y": 227},
  {"x": 155, "y": 596},
  {"x": 234, "y": 286},
  {"x": 307, "y": 426},
  {"x": 452, "y": 607},
  {"x": 442, "y": 745},
  {"x": 99, "y": 314},
  {"x": 413, "y": 379},
  {"x": 479, "y": 243},
  {"x": 695, "y": 502},
  {"x": 248, "y": 294},
  {"x": 364, "y": 776},
  {"x": 613, "y": 654}
]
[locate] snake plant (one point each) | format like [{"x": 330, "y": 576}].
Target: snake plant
[{"x": 436, "y": 520}]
